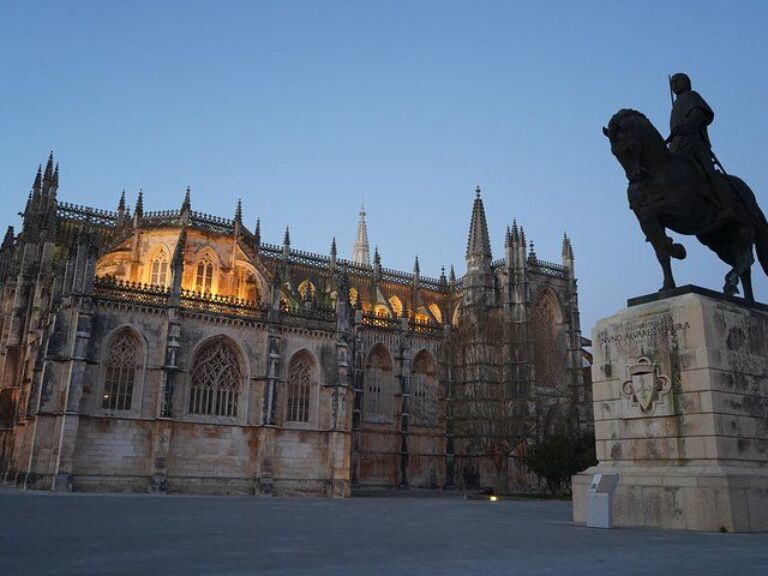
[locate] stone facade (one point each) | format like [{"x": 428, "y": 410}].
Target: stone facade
[
  {"x": 176, "y": 351},
  {"x": 681, "y": 413}
]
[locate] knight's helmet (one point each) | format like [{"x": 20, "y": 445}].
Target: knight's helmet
[{"x": 680, "y": 83}]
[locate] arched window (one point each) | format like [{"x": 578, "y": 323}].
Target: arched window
[
  {"x": 549, "y": 350},
  {"x": 307, "y": 286},
  {"x": 204, "y": 275},
  {"x": 216, "y": 377},
  {"x": 397, "y": 306},
  {"x": 246, "y": 287},
  {"x": 424, "y": 390},
  {"x": 378, "y": 392},
  {"x": 299, "y": 388},
  {"x": 381, "y": 311},
  {"x": 120, "y": 375},
  {"x": 435, "y": 309},
  {"x": 159, "y": 270}
]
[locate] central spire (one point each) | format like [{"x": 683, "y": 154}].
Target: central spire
[
  {"x": 361, "y": 253},
  {"x": 478, "y": 243}
]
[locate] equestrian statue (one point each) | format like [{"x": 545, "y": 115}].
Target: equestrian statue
[{"x": 679, "y": 184}]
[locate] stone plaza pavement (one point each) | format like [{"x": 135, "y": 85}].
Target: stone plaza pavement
[{"x": 81, "y": 534}]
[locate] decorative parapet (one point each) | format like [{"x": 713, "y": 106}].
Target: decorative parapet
[
  {"x": 221, "y": 305},
  {"x": 315, "y": 317},
  {"x": 84, "y": 214},
  {"x": 110, "y": 288},
  {"x": 212, "y": 223},
  {"x": 549, "y": 269},
  {"x": 430, "y": 328},
  {"x": 161, "y": 218},
  {"x": 371, "y": 319}
]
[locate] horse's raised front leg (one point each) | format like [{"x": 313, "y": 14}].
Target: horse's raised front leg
[{"x": 654, "y": 232}]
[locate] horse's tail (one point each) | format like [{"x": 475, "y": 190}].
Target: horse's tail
[
  {"x": 761, "y": 240},
  {"x": 747, "y": 198}
]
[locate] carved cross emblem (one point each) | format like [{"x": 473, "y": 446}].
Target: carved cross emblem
[{"x": 645, "y": 385}]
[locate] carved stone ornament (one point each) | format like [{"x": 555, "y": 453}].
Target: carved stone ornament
[{"x": 645, "y": 386}]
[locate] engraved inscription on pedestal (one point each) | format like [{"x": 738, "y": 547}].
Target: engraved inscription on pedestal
[{"x": 645, "y": 390}]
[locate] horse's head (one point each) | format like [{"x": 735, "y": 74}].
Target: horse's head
[{"x": 625, "y": 136}]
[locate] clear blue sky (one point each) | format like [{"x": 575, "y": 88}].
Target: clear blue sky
[{"x": 303, "y": 108}]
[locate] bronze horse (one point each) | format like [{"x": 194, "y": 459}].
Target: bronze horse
[{"x": 670, "y": 192}]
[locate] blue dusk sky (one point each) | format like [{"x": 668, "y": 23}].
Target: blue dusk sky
[{"x": 302, "y": 109}]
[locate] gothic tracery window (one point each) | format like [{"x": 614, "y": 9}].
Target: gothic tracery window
[
  {"x": 120, "y": 375},
  {"x": 159, "y": 270},
  {"x": 216, "y": 377},
  {"x": 299, "y": 388},
  {"x": 378, "y": 401},
  {"x": 548, "y": 346},
  {"x": 423, "y": 390},
  {"x": 204, "y": 274}
]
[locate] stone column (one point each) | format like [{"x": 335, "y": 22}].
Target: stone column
[
  {"x": 405, "y": 392},
  {"x": 680, "y": 394}
]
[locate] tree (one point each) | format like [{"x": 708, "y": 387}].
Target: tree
[{"x": 560, "y": 456}]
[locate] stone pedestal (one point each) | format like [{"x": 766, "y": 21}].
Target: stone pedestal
[{"x": 680, "y": 386}]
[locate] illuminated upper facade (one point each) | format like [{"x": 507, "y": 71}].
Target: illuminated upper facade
[{"x": 175, "y": 350}]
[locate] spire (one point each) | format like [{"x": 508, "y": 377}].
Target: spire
[
  {"x": 333, "y": 248},
  {"x": 376, "y": 256},
  {"x": 187, "y": 204},
  {"x": 121, "y": 203},
  {"x": 532, "y": 253},
  {"x": 361, "y": 249},
  {"x": 287, "y": 237},
  {"x": 257, "y": 233},
  {"x": 507, "y": 238},
  {"x": 38, "y": 185},
  {"x": 139, "y": 211},
  {"x": 239, "y": 212},
  {"x": 56, "y": 176},
  {"x": 48, "y": 175},
  {"x": 8, "y": 240},
  {"x": 478, "y": 244},
  {"x": 452, "y": 275},
  {"x": 416, "y": 268}
]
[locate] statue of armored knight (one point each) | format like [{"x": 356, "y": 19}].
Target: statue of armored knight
[{"x": 689, "y": 139}]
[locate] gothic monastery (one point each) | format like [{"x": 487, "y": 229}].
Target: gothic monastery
[{"x": 177, "y": 351}]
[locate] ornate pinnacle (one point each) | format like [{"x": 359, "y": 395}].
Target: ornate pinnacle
[
  {"x": 239, "y": 212},
  {"x": 287, "y": 237},
  {"x": 257, "y": 232},
  {"x": 376, "y": 256},
  {"x": 452, "y": 275},
  {"x": 121, "y": 203},
  {"x": 49, "y": 168},
  {"x": 187, "y": 204},
  {"x": 38, "y": 179},
  {"x": 9, "y": 237},
  {"x": 333, "y": 247},
  {"x": 416, "y": 268},
  {"x": 56, "y": 175},
  {"x": 140, "y": 204}
]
